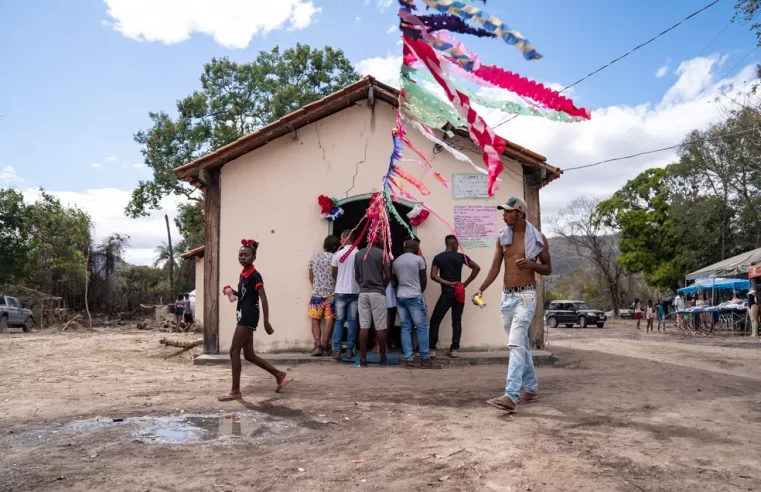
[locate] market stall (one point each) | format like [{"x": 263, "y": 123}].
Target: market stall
[{"x": 729, "y": 315}]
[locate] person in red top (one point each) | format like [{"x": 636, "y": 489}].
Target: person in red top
[{"x": 250, "y": 292}]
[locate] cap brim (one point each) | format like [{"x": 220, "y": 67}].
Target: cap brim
[{"x": 505, "y": 207}]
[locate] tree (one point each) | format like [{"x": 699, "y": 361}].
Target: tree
[
  {"x": 14, "y": 237},
  {"x": 165, "y": 256},
  {"x": 235, "y": 99},
  {"x": 58, "y": 238},
  {"x": 747, "y": 10},
  {"x": 579, "y": 225}
]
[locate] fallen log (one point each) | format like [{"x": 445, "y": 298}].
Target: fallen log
[
  {"x": 69, "y": 322},
  {"x": 183, "y": 345}
]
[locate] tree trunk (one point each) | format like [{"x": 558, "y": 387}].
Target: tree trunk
[
  {"x": 171, "y": 256},
  {"x": 87, "y": 282}
]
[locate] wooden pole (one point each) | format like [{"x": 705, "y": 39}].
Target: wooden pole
[
  {"x": 212, "y": 203},
  {"x": 536, "y": 331},
  {"x": 171, "y": 256},
  {"x": 87, "y": 283}
]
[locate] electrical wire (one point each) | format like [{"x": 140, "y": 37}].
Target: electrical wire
[
  {"x": 720, "y": 137},
  {"x": 627, "y": 54}
]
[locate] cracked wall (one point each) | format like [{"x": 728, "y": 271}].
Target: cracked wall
[{"x": 270, "y": 194}]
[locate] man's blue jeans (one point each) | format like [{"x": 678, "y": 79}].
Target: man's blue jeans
[
  {"x": 346, "y": 309},
  {"x": 517, "y": 312},
  {"x": 412, "y": 311}
]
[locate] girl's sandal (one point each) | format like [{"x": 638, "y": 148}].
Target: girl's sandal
[
  {"x": 283, "y": 384},
  {"x": 229, "y": 397}
]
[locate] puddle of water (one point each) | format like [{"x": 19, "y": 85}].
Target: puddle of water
[
  {"x": 196, "y": 428},
  {"x": 248, "y": 426}
]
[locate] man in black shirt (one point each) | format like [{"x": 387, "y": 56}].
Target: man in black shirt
[{"x": 446, "y": 270}]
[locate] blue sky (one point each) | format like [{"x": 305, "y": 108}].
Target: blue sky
[{"x": 74, "y": 88}]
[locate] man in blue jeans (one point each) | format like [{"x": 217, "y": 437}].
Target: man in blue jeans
[
  {"x": 524, "y": 251},
  {"x": 410, "y": 272},
  {"x": 347, "y": 297}
]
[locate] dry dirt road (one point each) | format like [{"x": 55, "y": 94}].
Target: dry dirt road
[{"x": 622, "y": 411}]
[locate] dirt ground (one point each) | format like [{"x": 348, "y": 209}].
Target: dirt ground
[{"x": 621, "y": 411}]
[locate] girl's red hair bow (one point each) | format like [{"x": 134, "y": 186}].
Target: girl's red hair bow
[{"x": 250, "y": 243}]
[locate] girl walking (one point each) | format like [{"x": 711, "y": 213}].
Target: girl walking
[{"x": 250, "y": 293}]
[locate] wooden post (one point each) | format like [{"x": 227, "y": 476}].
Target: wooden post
[
  {"x": 531, "y": 195},
  {"x": 211, "y": 266}
]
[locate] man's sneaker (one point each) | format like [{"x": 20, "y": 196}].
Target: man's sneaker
[
  {"x": 454, "y": 353},
  {"x": 316, "y": 352},
  {"x": 337, "y": 355},
  {"x": 432, "y": 353}
]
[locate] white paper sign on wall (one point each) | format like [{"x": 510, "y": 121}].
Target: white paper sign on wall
[
  {"x": 466, "y": 186},
  {"x": 476, "y": 225}
]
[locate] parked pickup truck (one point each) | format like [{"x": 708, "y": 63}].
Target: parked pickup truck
[{"x": 13, "y": 315}]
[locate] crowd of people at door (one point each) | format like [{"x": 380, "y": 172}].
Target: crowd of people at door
[{"x": 360, "y": 295}]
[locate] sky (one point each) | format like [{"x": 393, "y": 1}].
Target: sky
[{"x": 80, "y": 78}]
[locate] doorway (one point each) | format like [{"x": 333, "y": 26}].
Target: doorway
[{"x": 354, "y": 210}]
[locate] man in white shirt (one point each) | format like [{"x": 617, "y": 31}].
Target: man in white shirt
[
  {"x": 679, "y": 303},
  {"x": 347, "y": 296}
]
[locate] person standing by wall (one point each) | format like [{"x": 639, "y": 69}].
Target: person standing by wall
[
  {"x": 323, "y": 295},
  {"x": 524, "y": 251},
  {"x": 347, "y": 296},
  {"x": 410, "y": 272},
  {"x": 373, "y": 274},
  {"x": 446, "y": 270}
]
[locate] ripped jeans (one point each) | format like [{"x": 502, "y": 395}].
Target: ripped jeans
[{"x": 517, "y": 312}]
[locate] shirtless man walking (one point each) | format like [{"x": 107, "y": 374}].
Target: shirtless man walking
[{"x": 525, "y": 252}]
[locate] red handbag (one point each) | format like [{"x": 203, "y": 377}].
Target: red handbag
[{"x": 459, "y": 293}]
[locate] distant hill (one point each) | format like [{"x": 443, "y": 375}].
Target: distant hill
[{"x": 565, "y": 259}]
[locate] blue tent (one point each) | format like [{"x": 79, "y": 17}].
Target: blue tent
[{"x": 736, "y": 284}]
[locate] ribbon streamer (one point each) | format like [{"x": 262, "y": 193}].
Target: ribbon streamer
[
  {"x": 491, "y": 144},
  {"x": 510, "y": 107},
  {"x": 439, "y": 22},
  {"x": 489, "y": 22}
]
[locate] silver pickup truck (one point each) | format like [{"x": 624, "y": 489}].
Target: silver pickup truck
[{"x": 13, "y": 315}]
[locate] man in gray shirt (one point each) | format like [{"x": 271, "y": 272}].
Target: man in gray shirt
[
  {"x": 410, "y": 271},
  {"x": 373, "y": 275}
]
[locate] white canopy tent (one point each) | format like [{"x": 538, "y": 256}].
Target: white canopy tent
[{"x": 737, "y": 265}]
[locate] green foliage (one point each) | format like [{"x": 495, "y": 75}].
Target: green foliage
[
  {"x": 55, "y": 239},
  {"x": 14, "y": 237},
  {"x": 189, "y": 221},
  {"x": 235, "y": 99},
  {"x": 695, "y": 212},
  {"x": 747, "y": 10}
]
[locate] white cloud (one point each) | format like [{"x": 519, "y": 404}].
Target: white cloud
[
  {"x": 613, "y": 131},
  {"x": 232, "y": 23},
  {"x": 95, "y": 165},
  {"x": 112, "y": 158},
  {"x": 662, "y": 71},
  {"x": 106, "y": 209},
  {"x": 385, "y": 69},
  {"x": 8, "y": 176},
  {"x": 139, "y": 165},
  {"x": 624, "y": 130},
  {"x": 384, "y": 4},
  {"x": 358, "y": 20},
  {"x": 394, "y": 28}
]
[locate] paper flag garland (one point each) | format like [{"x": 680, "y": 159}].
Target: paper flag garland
[{"x": 427, "y": 39}]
